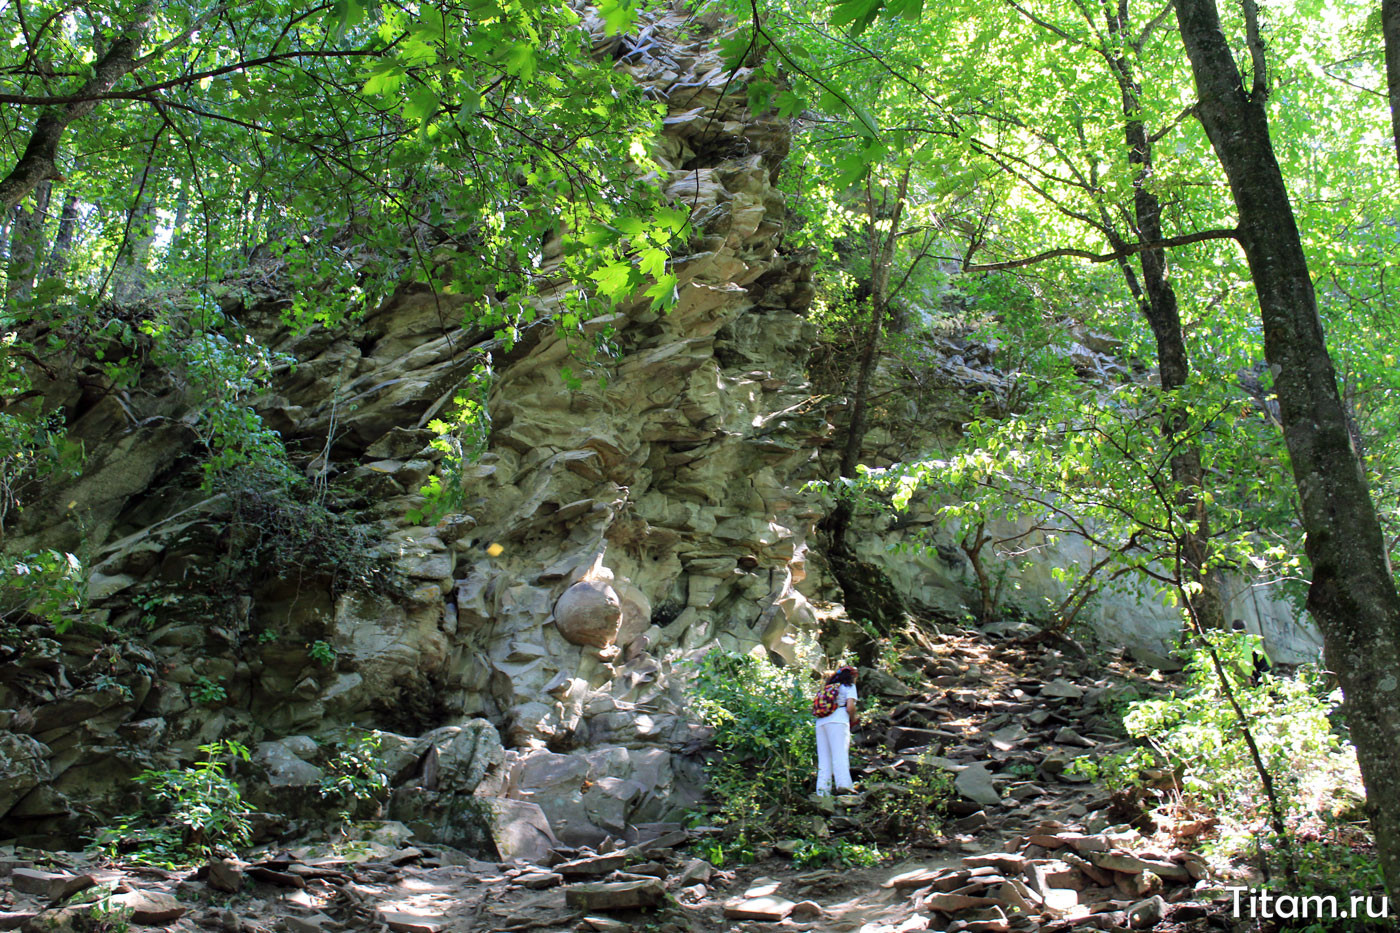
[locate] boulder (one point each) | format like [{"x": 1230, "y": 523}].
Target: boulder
[
  {"x": 150, "y": 908},
  {"x": 517, "y": 829},
  {"x": 49, "y": 885},
  {"x": 589, "y": 614},
  {"x": 225, "y": 875},
  {"x": 458, "y": 759},
  {"x": 283, "y": 766}
]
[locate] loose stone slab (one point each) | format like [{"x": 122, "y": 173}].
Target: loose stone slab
[
  {"x": 52, "y": 886},
  {"x": 916, "y": 878},
  {"x": 597, "y": 865},
  {"x": 535, "y": 880},
  {"x": 1008, "y": 862},
  {"x": 615, "y": 895},
  {"x": 401, "y": 922},
  {"x": 150, "y": 908},
  {"x": 975, "y": 783},
  {"x": 1059, "y": 687},
  {"x": 770, "y": 907},
  {"x": 952, "y": 903}
]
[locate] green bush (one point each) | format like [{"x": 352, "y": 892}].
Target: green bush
[
  {"x": 814, "y": 853},
  {"x": 762, "y": 720},
  {"x": 47, "y": 584},
  {"x": 188, "y": 814},
  {"x": 910, "y": 810},
  {"x": 322, "y": 653},
  {"x": 205, "y": 691},
  {"x": 1195, "y": 736},
  {"x": 354, "y": 779}
]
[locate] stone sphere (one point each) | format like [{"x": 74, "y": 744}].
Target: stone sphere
[{"x": 589, "y": 613}]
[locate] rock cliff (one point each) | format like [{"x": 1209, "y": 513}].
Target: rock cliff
[{"x": 521, "y": 650}]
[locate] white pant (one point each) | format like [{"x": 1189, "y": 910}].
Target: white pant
[{"x": 833, "y": 756}]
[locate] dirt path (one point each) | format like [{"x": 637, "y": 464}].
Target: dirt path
[{"x": 1028, "y": 845}]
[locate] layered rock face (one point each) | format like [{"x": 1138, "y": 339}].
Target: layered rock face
[{"x": 612, "y": 529}]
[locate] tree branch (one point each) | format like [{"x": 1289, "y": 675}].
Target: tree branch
[
  {"x": 1259, "y": 88},
  {"x": 1130, "y": 250},
  {"x": 38, "y": 164}
]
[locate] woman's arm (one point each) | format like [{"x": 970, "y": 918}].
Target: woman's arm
[{"x": 851, "y": 712}]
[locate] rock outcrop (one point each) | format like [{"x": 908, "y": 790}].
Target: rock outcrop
[{"x": 614, "y": 527}]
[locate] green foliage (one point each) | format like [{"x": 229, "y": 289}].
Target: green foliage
[
  {"x": 105, "y": 916},
  {"x": 814, "y": 853},
  {"x": 1195, "y": 736},
  {"x": 910, "y": 809},
  {"x": 463, "y": 436},
  {"x": 1330, "y": 868},
  {"x": 1090, "y": 463},
  {"x": 355, "y": 777},
  {"x": 736, "y": 852},
  {"x": 151, "y": 603},
  {"x": 763, "y": 732},
  {"x": 188, "y": 813},
  {"x": 321, "y": 652},
  {"x": 206, "y": 692},
  {"x": 46, "y": 584},
  {"x": 31, "y": 448}
]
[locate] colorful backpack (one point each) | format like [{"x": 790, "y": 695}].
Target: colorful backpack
[{"x": 826, "y": 700}]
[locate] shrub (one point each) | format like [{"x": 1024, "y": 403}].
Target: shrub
[
  {"x": 1194, "y": 735},
  {"x": 188, "y": 813},
  {"x": 322, "y": 653},
  {"x": 762, "y": 720},
  {"x": 47, "y": 584},
  {"x": 910, "y": 810},
  {"x": 353, "y": 777},
  {"x": 205, "y": 691},
  {"x": 813, "y": 853}
]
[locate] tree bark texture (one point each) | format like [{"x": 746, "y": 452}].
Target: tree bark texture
[
  {"x": 26, "y": 247},
  {"x": 1390, "y": 31},
  {"x": 63, "y": 239},
  {"x": 1353, "y": 595}
]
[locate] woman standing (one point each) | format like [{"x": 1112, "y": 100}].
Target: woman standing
[{"x": 834, "y": 734}]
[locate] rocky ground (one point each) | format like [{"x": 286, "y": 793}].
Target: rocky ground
[{"x": 1028, "y": 845}]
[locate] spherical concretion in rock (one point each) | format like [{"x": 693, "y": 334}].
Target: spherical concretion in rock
[{"x": 589, "y": 613}]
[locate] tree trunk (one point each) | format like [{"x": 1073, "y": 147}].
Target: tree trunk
[
  {"x": 63, "y": 240},
  {"x": 1158, "y": 304},
  {"x": 1353, "y": 595},
  {"x": 26, "y": 248},
  {"x": 1390, "y": 30},
  {"x": 130, "y": 272},
  {"x": 881, "y": 259}
]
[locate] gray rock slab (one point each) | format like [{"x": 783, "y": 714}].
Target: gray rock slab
[{"x": 975, "y": 783}]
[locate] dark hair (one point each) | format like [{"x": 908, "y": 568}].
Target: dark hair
[{"x": 846, "y": 675}]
